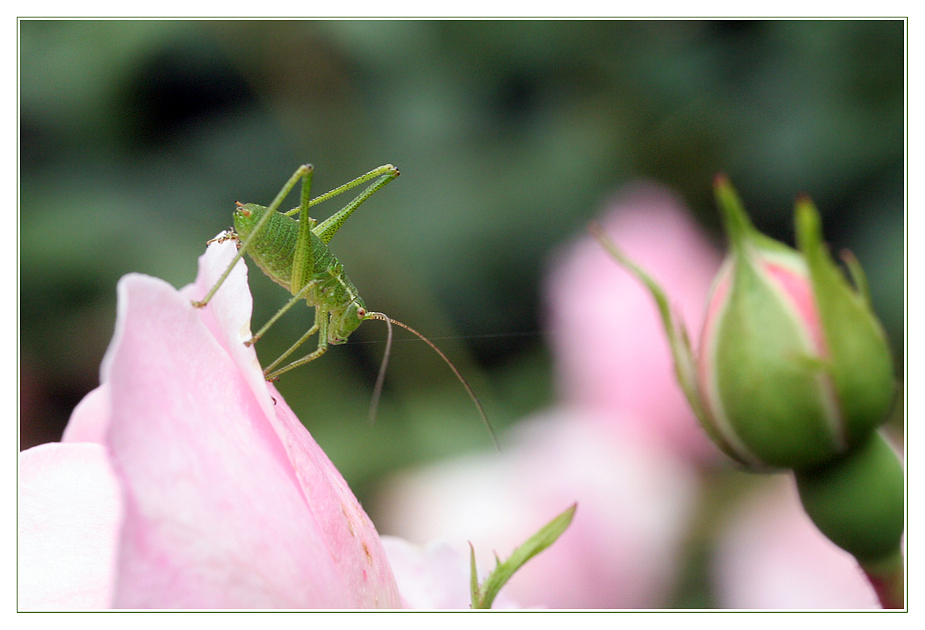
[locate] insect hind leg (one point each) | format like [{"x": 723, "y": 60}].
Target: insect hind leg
[{"x": 300, "y": 295}]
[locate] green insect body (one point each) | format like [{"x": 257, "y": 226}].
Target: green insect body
[
  {"x": 275, "y": 254},
  {"x": 294, "y": 254}
]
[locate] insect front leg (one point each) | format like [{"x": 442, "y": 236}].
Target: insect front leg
[{"x": 227, "y": 235}]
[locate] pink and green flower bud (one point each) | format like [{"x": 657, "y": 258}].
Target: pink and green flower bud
[{"x": 793, "y": 369}]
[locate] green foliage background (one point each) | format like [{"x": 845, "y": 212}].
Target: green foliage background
[{"x": 138, "y": 136}]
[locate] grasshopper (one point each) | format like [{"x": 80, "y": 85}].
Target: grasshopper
[{"x": 294, "y": 253}]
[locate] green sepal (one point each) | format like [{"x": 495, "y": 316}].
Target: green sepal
[
  {"x": 738, "y": 226},
  {"x": 763, "y": 376},
  {"x": 483, "y": 595},
  {"x": 860, "y": 362},
  {"x": 678, "y": 340},
  {"x": 858, "y": 277},
  {"x": 857, "y": 499},
  {"x": 741, "y": 231}
]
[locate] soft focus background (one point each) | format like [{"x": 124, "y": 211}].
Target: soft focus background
[{"x": 138, "y": 136}]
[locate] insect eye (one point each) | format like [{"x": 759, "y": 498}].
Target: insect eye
[{"x": 361, "y": 312}]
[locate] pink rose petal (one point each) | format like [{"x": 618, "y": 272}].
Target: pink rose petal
[
  {"x": 435, "y": 576},
  {"x": 228, "y": 501},
  {"x": 623, "y": 546},
  {"x": 70, "y": 507}
]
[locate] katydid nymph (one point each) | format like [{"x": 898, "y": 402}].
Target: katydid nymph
[{"x": 294, "y": 253}]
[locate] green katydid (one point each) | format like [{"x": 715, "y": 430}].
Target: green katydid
[{"x": 294, "y": 253}]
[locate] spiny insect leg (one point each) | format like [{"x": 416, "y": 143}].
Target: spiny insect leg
[
  {"x": 300, "y": 295},
  {"x": 329, "y": 227},
  {"x": 303, "y": 171},
  {"x": 321, "y": 327}
]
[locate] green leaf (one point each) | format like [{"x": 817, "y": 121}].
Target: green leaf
[{"x": 484, "y": 595}]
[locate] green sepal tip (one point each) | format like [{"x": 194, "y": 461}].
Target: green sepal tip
[{"x": 861, "y": 364}]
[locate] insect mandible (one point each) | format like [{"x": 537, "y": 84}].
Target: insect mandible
[{"x": 294, "y": 253}]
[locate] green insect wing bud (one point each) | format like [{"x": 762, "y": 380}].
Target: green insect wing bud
[{"x": 793, "y": 368}]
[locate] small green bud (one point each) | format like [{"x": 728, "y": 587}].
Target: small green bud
[{"x": 794, "y": 368}]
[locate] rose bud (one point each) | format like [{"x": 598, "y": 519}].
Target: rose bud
[
  {"x": 794, "y": 371},
  {"x": 793, "y": 367}
]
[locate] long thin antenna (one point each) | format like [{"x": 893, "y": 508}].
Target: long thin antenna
[{"x": 379, "y": 381}]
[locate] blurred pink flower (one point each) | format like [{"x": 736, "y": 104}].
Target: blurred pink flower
[
  {"x": 619, "y": 443},
  {"x": 622, "y": 548},
  {"x": 770, "y": 555},
  {"x": 197, "y": 485},
  {"x": 611, "y": 352}
]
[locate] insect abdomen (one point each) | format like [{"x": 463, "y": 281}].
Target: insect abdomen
[
  {"x": 274, "y": 252},
  {"x": 334, "y": 287}
]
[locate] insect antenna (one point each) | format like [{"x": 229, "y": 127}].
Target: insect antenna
[{"x": 381, "y": 378}]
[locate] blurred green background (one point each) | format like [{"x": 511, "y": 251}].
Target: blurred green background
[{"x": 138, "y": 136}]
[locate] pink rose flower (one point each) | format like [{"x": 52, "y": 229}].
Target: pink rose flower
[
  {"x": 194, "y": 483},
  {"x": 623, "y": 547},
  {"x": 620, "y": 440}
]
